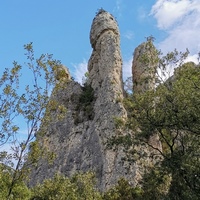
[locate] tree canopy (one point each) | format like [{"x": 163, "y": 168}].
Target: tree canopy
[{"x": 172, "y": 111}]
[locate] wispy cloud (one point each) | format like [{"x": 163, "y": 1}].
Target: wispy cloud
[
  {"x": 129, "y": 35},
  {"x": 181, "y": 20},
  {"x": 142, "y": 13},
  {"x": 119, "y": 7},
  {"x": 80, "y": 70},
  {"x": 127, "y": 68}
]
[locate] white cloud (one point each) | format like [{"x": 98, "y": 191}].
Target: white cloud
[
  {"x": 80, "y": 70},
  {"x": 181, "y": 20},
  {"x": 127, "y": 69},
  {"x": 193, "y": 58},
  {"x": 168, "y": 12}
]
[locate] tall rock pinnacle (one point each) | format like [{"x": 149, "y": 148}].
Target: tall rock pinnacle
[
  {"x": 144, "y": 67},
  {"x": 105, "y": 65},
  {"x": 105, "y": 77}
]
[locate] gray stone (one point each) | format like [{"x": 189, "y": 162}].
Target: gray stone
[
  {"x": 79, "y": 140},
  {"x": 145, "y": 61}
]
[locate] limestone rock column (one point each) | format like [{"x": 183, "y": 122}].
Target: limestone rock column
[
  {"x": 144, "y": 67},
  {"x": 105, "y": 77},
  {"x": 105, "y": 64}
]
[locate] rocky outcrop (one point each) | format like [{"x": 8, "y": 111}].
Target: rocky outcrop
[
  {"x": 79, "y": 140},
  {"x": 62, "y": 73},
  {"x": 145, "y": 61}
]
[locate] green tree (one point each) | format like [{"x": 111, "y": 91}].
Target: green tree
[
  {"x": 19, "y": 189},
  {"x": 123, "y": 191},
  {"x": 172, "y": 111},
  {"x": 23, "y": 106},
  {"x": 79, "y": 187}
]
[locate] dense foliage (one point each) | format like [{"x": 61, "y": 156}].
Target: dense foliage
[
  {"x": 172, "y": 111},
  {"x": 79, "y": 187}
]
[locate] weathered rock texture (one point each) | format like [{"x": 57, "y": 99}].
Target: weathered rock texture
[
  {"x": 145, "y": 60},
  {"x": 79, "y": 140}
]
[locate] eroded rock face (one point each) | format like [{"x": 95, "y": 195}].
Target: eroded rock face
[
  {"x": 144, "y": 66},
  {"x": 79, "y": 140}
]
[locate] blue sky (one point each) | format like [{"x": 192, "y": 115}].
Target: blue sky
[{"x": 62, "y": 28}]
